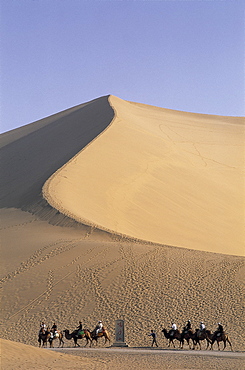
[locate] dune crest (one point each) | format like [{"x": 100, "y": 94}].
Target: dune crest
[{"x": 159, "y": 175}]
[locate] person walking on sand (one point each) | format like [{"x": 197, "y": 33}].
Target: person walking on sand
[{"x": 154, "y": 338}]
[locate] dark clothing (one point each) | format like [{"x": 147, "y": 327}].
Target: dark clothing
[
  {"x": 188, "y": 326},
  {"x": 154, "y": 337},
  {"x": 54, "y": 328},
  {"x": 80, "y": 327},
  {"x": 220, "y": 328}
]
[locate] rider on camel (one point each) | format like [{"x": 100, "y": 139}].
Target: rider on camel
[
  {"x": 173, "y": 329},
  {"x": 98, "y": 328},
  {"x": 187, "y": 327},
  {"x": 79, "y": 328},
  {"x": 42, "y": 327},
  {"x": 53, "y": 330},
  {"x": 202, "y": 326},
  {"x": 219, "y": 330}
]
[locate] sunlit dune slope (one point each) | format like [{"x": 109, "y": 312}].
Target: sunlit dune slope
[{"x": 159, "y": 175}]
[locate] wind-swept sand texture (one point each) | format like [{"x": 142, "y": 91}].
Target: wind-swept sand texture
[
  {"x": 151, "y": 178},
  {"x": 159, "y": 175}
]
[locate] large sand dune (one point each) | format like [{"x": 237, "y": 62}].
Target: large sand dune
[
  {"x": 114, "y": 209},
  {"x": 159, "y": 175}
]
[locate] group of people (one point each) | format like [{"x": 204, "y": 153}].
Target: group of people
[
  {"x": 44, "y": 329},
  {"x": 202, "y": 327},
  {"x": 187, "y": 327},
  {"x": 79, "y": 329},
  {"x": 98, "y": 328}
]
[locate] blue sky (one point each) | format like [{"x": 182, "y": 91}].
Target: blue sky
[{"x": 184, "y": 55}]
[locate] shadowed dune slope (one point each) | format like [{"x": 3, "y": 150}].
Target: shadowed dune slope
[
  {"x": 159, "y": 175},
  {"x": 30, "y": 154}
]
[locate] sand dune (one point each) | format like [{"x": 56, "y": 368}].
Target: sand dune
[
  {"x": 114, "y": 209},
  {"x": 30, "y": 154},
  {"x": 169, "y": 177}
]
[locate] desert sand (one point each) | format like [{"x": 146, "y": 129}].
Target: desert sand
[{"x": 118, "y": 210}]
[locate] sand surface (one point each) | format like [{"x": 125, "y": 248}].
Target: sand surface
[
  {"x": 20, "y": 356},
  {"x": 160, "y": 197},
  {"x": 163, "y": 176}
]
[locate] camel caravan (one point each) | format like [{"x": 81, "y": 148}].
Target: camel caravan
[
  {"x": 197, "y": 336},
  {"x": 193, "y": 338},
  {"x": 47, "y": 335}
]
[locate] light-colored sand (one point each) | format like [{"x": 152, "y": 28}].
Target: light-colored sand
[
  {"x": 159, "y": 175},
  {"x": 20, "y": 356},
  {"x": 54, "y": 269}
]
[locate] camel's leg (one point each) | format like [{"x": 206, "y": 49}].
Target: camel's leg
[
  {"x": 218, "y": 345},
  {"x": 228, "y": 340},
  {"x": 224, "y": 344}
]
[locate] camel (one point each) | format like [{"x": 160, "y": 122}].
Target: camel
[
  {"x": 57, "y": 335},
  {"x": 200, "y": 335},
  {"x": 176, "y": 335},
  {"x": 43, "y": 337},
  {"x": 75, "y": 336},
  {"x": 187, "y": 335},
  {"x": 220, "y": 337},
  {"x": 104, "y": 333}
]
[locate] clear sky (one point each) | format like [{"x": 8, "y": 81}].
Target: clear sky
[{"x": 184, "y": 55}]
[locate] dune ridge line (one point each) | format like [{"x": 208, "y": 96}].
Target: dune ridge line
[{"x": 160, "y": 169}]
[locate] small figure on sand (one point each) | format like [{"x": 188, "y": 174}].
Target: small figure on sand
[{"x": 154, "y": 338}]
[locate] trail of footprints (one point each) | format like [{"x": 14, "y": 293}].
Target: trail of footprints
[{"x": 148, "y": 289}]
